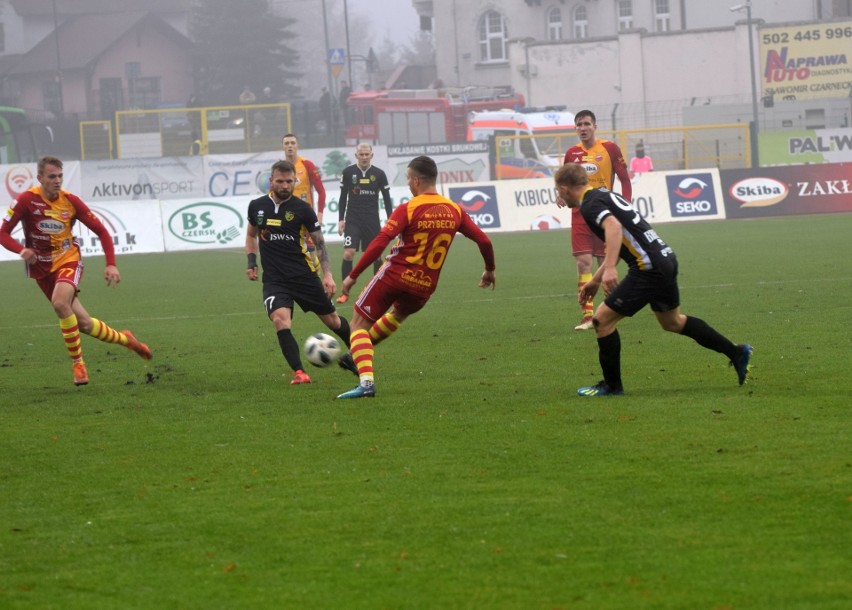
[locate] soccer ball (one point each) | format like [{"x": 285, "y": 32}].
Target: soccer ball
[{"x": 321, "y": 349}]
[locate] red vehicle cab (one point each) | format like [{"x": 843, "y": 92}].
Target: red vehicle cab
[{"x": 420, "y": 116}]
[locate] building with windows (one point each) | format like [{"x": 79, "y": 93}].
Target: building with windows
[
  {"x": 93, "y": 57},
  {"x": 627, "y": 58}
]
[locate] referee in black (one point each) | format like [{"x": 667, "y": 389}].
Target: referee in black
[{"x": 360, "y": 185}]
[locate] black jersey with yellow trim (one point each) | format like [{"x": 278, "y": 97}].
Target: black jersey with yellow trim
[
  {"x": 283, "y": 230},
  {"x": 360, "y": 190}
]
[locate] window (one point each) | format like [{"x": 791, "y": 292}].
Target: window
[
  {"x": 145, "y": 92},
  {"x": 581, "y": 23},
  {"x": 662, "y": 17},
  {"x": 492, "y": 37},
  {"x": 554, "y": 24},
  {"x": 625, "y": 15},
  {"x": 52, "y": 95}
]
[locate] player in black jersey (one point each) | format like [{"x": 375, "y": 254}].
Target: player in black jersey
[
  {"x": 651, "y": 279},
  {"x": 360, "y": 185},
  {"x": 279, "y": 225}
]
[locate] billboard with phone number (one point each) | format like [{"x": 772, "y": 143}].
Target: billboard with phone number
[{"x": 807, "y": 61}]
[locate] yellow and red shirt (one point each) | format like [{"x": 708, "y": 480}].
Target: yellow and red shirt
[
  {"x": 424, "y": 227},
  {"x": 48, "y": 227},
  {"x": 603, "y": 161}
]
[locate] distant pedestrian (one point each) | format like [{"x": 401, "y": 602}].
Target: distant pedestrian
[
  {"x": 343, "y": 97},
  {"x": 325, "y": 108},
  {"x": 641, "y": 163}
]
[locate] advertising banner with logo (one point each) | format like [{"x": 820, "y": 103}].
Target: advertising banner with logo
[
  {"x": 805, "y": 146},
  {"x": 481, "y": 201},
  {"x": 523, "y": 205},
  {"x": 779, "y": 191},
  {"x": 134, "y": 179},
  {"x": 806, "y": 61},
  {"x": 461, "y": 162},
  {"x": 135, "y": 226},
  {"x": 20, "y": 177},
  {"x": 204, "y": 224},
  {"x": 247, "y": 175}
]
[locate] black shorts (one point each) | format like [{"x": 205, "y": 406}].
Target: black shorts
[
  {"x": 359, "y": 235},
  {"x": 657, "y": 288},
  {"x": 307, "y": 291}
]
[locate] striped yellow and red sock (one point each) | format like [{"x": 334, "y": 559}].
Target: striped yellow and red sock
[
  {"x": 71, "y": 333},
  {"x": 383, "y": 328},
  {"x": 104, "y": 332},
  {"x": 362, "y": 353}
]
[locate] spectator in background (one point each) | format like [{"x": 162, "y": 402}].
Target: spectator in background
[
  {"x": 345, "y": 92},
  {"x": 641, "y": 163},
  {"x": 325, "y": 108},
  {"x": 194, "y": 116}
]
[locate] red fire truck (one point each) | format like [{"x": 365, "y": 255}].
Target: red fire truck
[{"x": 421, "y": 116}]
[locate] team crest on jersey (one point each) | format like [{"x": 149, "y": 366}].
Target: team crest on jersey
[
  {"x": 289, "y": 216},
  {"x": 354, "y": 179}
]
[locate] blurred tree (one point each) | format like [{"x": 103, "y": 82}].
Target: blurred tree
[
  {"x": 241, "y": 43},
  {"x": 420, "y": 50}
]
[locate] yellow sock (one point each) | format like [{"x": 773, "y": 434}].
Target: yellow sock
[
  {"x": 103, "y": 331},
  {"x": 362, "y": 353},
  {"x": 589, "y": 306},
  {"x": 384, "y": 328},
  {"x": 71, "y": 333}
]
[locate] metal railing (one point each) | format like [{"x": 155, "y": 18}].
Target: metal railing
[{"x": 168, "y": 132}]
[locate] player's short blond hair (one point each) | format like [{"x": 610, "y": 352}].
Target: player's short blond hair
[{"x": 571, "y": 175}]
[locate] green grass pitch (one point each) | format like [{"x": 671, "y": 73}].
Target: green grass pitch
[{"x": 475, "y": 479}]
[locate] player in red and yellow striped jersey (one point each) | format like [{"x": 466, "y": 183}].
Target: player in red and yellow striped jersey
[
  {"x": 308, "y": 180},
  {"x": 52, "y": 257},
  {"x": 603, "y": 161},
  {"x": 424, "y": 228}
]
